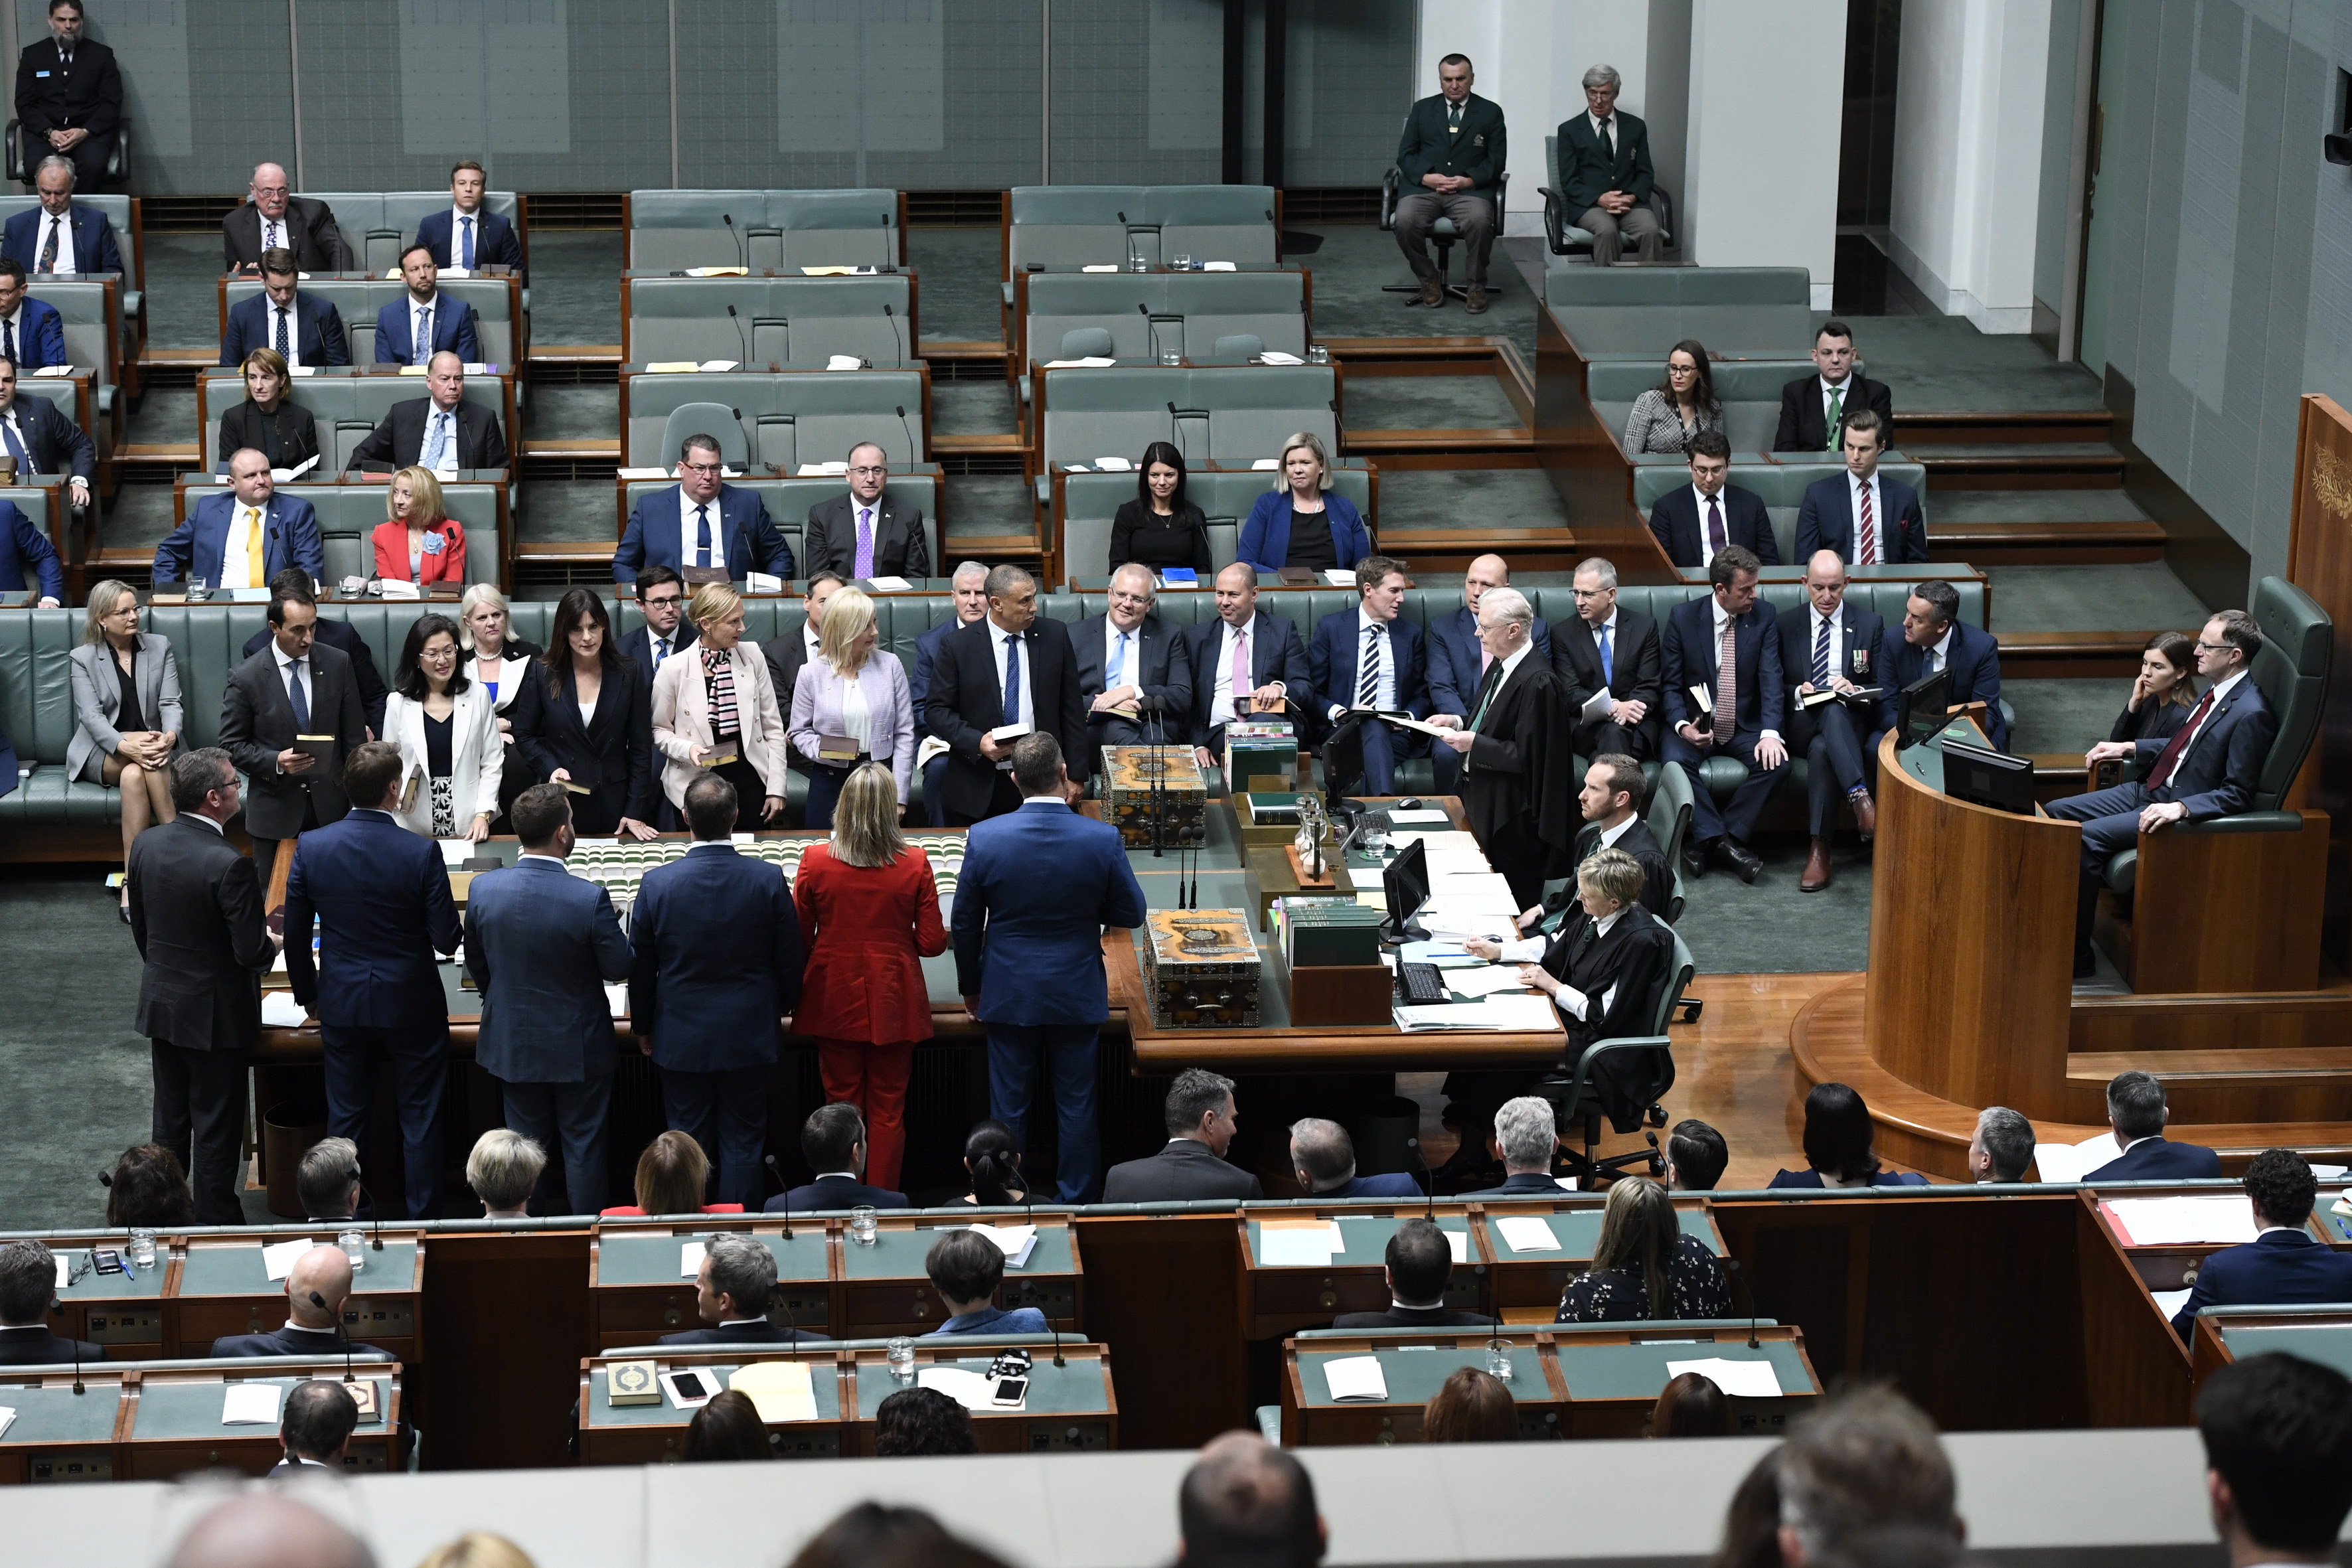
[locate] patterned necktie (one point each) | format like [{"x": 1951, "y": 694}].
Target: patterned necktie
[
  {"x": 1716, "y": 540},
  {"x": 1010, "y": 711},
  {"x": 298, "y": 694},
  {"x": 1822, "y": 652},
  {"x": 1368, "y": 677},
  {"x": 1453, "y": 117},
  {"x": 49, "y": 262},
  {"x": 1836, "y": 413},
  {"x": 1608, "y": 673},
  {"x": 271, "y": 238},
  {"x": 1239, "y": 678},
  {"x": 283, "y": 352},
  {"x": 438, "y": 446},
  {"x": 1868, "y": 554},
  {"x": 422, "y": 349},
  {"x": 466, "y": 225},
  {"x": 256, "y": 565},
  {"x": 863, "y": 568},
  {"x": 661, "y": 650},
  {"x": 1726, "y": 682},
  {"x": 2175, "y": 748},
  {"x": 702, "y": 534}
]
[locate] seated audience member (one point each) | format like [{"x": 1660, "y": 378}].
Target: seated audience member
[
  {"x": 267, "y": 421},
  {"x": 1372, "y": 657},
  {"x": 1301, "y": 523},
  {"x": 316, "y": 1288},
  {"x": 128, "y": 713},
  {"x": 854, "y": 690},
  {"x": 1743, "y": 724},
  {"x": 28, "y": 561},
  {"x": 1611, "y": 803},
  {"x": 1200, "y": 1120},
  {"x": 293, "y": 585},
  {"x": 328, "y": 1180},
  {"x": 2285, "y": 1264},
  {"x": 832, "y": 1140},
  {"x": 1159, "y": 528},
  {"x": 28, "y": 1288},
  {"x": 1451, "y": 161},
  {"x": 1814, "y": 407},
  {"x": 1933, "y": 637},
  {"x": 2163, "y": 694},
  {"x": 315, "y": 1426},
  {"x": 148, "y": 1187},
  {"x": 1247, "y": 1504},
  {"x": 44, "y": 439},
  {"x": 1690, "y": 1405},
  {"x": 915, "y": 1422},
  {"x": 301, "y": 328},
  {"x": 2136, "y": 1113},
  {"x": 468, "y": 235},
  {"x": 1527, "y": 1136},
  {"x": 1244, "y": 661},
  {"x": 1668, "y": 415},
  {"x": 872, "y": 1535},
  {"x": 1751, "y": 1522},
  {"x": 1866, "y": 1459},
  {"x": 868, "y": 533},
  {"x": 726, "y": 1429},
  {"x": 1606, "y": 648},
  {"x": 1323, "y": 1158},
  {"x": 1606, "y": 175},
  {"x": 1864, "y": 517},
  {"x": 477, "y": 1549},
  {"x": 1693, "y": 524},
  {"x": 418, "y": 541},
  {"x": 35, "y": 334},
  {"x": 1696, "y": 1156},
  {"x": 1419, "y": 1261},
  {"x": 968, "y": 591},
  {"x": 1838, "y": 1152},
  {"x": 504, "y": 1170},
  {"x": 966, "y": 1268},
  {"x": 446, "y": 727},
  {"x": 671, "y": 1176},
  {"x": 2002, "y": 1146},
  {"x": 1645, "y": 1266},
  {"x": 272, "y": 218},
  {"x": 61, "y": 235},
  {"x": 2278, "y": 1457},
  {"x": 439, "y": 431},
  {"x": 427, "y": 323},
  {"x": 992, "y": 1161},
  {"x": 735, "y": 1292},
  {"x": 1832, "y": 645},
  {"x": 1127, "y": 656},
  {"x": 702, "y": 524},
  {"x": 1458, "y": 660},
  {"x": 244, "y": 537},
  {"x": 1472, "y": 1405}
]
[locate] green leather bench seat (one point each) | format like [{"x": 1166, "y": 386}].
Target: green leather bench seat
[
  {"x": 788, "y": 501},
  {"x": 773, "y": 229},
  {"x": 1621, "y": 311},
  {"x": 346, "y": 403},
  {"x": 1090, "y": 503},
  {"x": 93, "y": 332},
  {"x": 377, "y": 224},
  {"x": 1230, "y": 413},
  {"x": 1205, "y": 306},
  {"x": 1781, "y": 486},
  {"x": 358, "y": 298},
  {"x": 797, "y": 322},
  {"x": 1070, "y": 226},
  {"x": 782, "y": 418},
  {"x": 349, "y": 514}
]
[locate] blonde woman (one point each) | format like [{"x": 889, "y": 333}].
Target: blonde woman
[
  {"x": 127, "y": 717},
  {"x": 851, "y": 692},
  {"x": 448, "y": 739},
  {"x": 477, "y": 1549},
  {"x": 418, "y": 541},
  {"x": 1300, "y": 522},
  {"x": 717, "y": 710},
  {"x": 870, "y": 913}
]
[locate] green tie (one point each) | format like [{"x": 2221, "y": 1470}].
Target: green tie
[
  {"x": 1837, "y": 412},
  {"x": 1487, "y": 699}
]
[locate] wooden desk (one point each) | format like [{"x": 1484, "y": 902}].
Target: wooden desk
[
  {"x": 2316, "y": 1333},
  {"x": 1413, "y": 1366},
  {"x": 1280, "y": 1299},
  {"x": 1534, "y": 1281},
  {"x": 60, "y": 1435},
  {"x": 884, "y": 1291},
  {"x": 655, "y": 1434},
  {"x": 1614, "y": 1373},
  {"x": 153, "y": 1423},
  {"x": 1070, "y": 1408},
  {"x": 639, "y": 1291},
  {"x": 219, "y": 1286},
  {"x": 125, "y": 1312}
]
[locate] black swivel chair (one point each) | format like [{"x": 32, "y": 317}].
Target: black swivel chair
[
  {"x": 118, "y": 162},
  {"x": 1441, "y": 234},
  {"x": 1574, "y": 1099}
]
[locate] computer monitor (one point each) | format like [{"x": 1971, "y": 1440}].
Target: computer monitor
[
  {"x": 1405, "y": 882},
  {"x": 1922, "y": 710},
  {"x": 1984, "y": 777}
]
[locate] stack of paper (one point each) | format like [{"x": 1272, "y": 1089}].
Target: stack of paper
[
  {"x": 280, "y": 1011},
  {"x": 250, "y": 1405},
  {"x": 617, "y": 999},
  {"x": 1218, "y": 266},
  {"x": 1506, "y": 1012},
  {"x": 1339, "y": 576},
  {"x": 781, "y": 1390},
  {"x": 1275, "y": 356},
  {"x": 1266, "y": 463},
  {"x": 671, "y": 367},
  {"x": 1354, "y": 1378},
  {"x": 690, "y": 1259},
  {"x": 1299, "y": 1243},
  {"x": 1015, "y": 1241},
  {"x": 1458, "y": 1243},
  {"x": 1085, "y": 362},
  {"x": 1426, "y": 814},
  {"x": 1738, "y": 1379},
  {"x": 891, "y": 584},
  {"x": 644, "y": 473},
  {"x": 837, "y": 469},
  {"x": 717, "y": 272},
  {"x": 7, "y": 1416},
  {"x": 1114, "y": 465},
  {"x": 1098, "y": 267},
  {"x": 2073, "y": 1162},
  {"x": 278, "y": 1261},
  {"x": 2184, "y": 1222},
  {"x": 716, "y": 364},
  {"x": 1444, "y": 954},
  {"x": 2169, "y": 1302},
  {"x": 1527, "y": 1233},
  {"x": 844, "y": 361}
]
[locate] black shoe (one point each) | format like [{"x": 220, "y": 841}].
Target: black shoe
[
  {"x": 1696, "y": 854},
  {"x": 2086, "y": 964},
  {"x": 1742, "y": 859}
]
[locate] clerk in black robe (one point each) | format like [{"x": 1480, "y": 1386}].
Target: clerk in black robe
[
  {"x": 1519, "y": 783},
  {"x": 1603, "y": 973}
]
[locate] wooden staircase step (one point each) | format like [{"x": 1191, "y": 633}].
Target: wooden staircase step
[
  {"x": 2023, "y": 470},
  {"x": 2100, "y": 543},
  {"x": 1930, "y": 429},
  {"x": 2209, "y": 1067}
]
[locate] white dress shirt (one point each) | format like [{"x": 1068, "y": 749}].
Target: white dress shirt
[
  {"x": 2219, "y": 692},
  {"x": 1610, "y": 835},
  {"x": 1025, "y": 711},
  {"x": 293, "y": 670},
  {"x": 1853, "y": 489},
  {"x": 1938, "y": 652},
  {"x": 1222, "y": 706},
  {"x": 458, "y": 218},
  {"x": 63, "y": 226},
  {"x": 1383, "y": 655},
  {"x": 857, "y": 717},
  {"x": 236, "y": 550},
  {"x": 208, "y": 822},
  {"x": 687, "y": 530}
]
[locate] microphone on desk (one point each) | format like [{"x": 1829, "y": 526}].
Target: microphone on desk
[
  {"x": 777, "y": 1172},
  {"x": 1151, "y": 328},
  {"x": 901, "y": 337},
  {"x": 75, "y": 1340},
  {"x": 1741, "y": 1275},
  {"x": 742, "y": 250},
  {"x": 1428, "y": 1182},
  {"x": 375, "y": 1211},
  {"x": 344, "y": 1333},
  {"x": 740, "y": 336},
  {"x": 913, "y": 446}
]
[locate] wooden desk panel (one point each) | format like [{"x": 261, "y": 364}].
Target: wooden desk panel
[
  {"x": 220, "y": 1287},
  {"x": 636, "y": 1293},
  {"x": 1282, "y": 1298},
  {"x": 655, "y": 1434},
  {"x": 883, "y": 1290},
  {"x": 1413, "y": 1366}
]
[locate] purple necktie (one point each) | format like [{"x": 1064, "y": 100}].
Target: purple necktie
[
  {"x": 863, "y": 569},
  {"x": 1715, "y": 540}
]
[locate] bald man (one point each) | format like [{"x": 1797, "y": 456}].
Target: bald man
[
  {"x": 273, "y": 218},
  {"x": 316, "y": 1288},
  {"x": 269, "y": 1529},
  {"x": 1831, "y": 645},
  {"x": 1457, "y": 663}
]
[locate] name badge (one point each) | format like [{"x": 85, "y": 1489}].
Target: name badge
[
  {"x": 40, "y": 74},
  {"x": 432, "y": 544}
]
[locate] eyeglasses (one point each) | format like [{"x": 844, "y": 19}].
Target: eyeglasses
[
  {"x": 663, "y": 602},
  {"x": 704, "y": 467},
  {"x": 875, "y": 468},
  {"x": 2204, "y": 646}
]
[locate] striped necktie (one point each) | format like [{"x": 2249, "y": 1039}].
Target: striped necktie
[
  {"x": 1367, "y": 674},
  {"x": 1822, "y": 652}
]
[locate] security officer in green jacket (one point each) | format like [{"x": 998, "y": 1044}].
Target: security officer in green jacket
[{"x": 1452, "y": 158}]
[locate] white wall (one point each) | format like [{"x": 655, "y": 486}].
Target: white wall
[{"x": 1762, "y": 159}]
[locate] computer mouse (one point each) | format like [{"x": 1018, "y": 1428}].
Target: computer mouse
[{"x": 1410, "y": 803}]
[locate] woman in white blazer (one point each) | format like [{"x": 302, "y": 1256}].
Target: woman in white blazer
[
  {"x": 445, "y": 726},
  {"x": 715, "y": 699},
  {"x": 127, "y": 714},
  {"x": 853, "y": 691}
]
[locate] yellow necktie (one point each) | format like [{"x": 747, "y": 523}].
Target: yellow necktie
[{"x": 253, "y": 566}]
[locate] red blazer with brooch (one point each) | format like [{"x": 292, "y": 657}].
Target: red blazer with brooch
[
  {"x": 868, "y": 930},
  {"x": 446, "y": 564}
]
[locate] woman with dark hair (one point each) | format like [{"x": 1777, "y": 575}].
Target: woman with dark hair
[
  {"x": 1751, "y": 1524},
  {"x": 2164, "y": 693},
  {"x": 447, "y": 728},
  {"x": 1472, "y": 1405},
  {"x": 1665, "y": 417},
  {"x": 993, "y": 1161},
  {"x": 868, "y": 1532},
  {"x": 1645, "y": 1265},
  {"x": 729, "y": 1428},
  {"x": 1838, "y": 1152},
  {"x": 1159, "y": 528},
  {"x": 588, "y": 723},
  {"x": 149, "y": 1188},
  {"x": 915, "y": 1422},
  {"x": 1690, "y": 1405}
]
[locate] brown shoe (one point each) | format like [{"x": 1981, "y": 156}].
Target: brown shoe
[
  {"x": 1866, "y": 813},
  {"x": 1475, "y": 302},
  {"x": 1817, "y": 868},
  {"x": 1432, "y": 295}
]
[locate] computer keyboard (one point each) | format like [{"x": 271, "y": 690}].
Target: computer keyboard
[{"x": 1422, "y": 984}]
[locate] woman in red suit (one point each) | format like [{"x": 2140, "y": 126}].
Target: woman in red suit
[
  {"x": 870, "y": 913},
  {"x": 415, "y": 543}
]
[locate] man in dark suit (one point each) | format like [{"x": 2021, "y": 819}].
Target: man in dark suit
[
  {"x": 316, "y": 1286},
  {"x": 28, "y": 1288},
  {"x": 272, "y": 218},
  {"x": 734, "y": 1291},
  {"x": 1420, "y": 1264},
  {"x": 1725, "y": 645},
  {"x": 1691, "y": 524},
  {"x": 542, "y": 945},
  {"x": 968, "y": 594},
  {"x": 1010, "y": 670},
  {"x": 2285, "y": 1264},
  {"x": 425, "y": 322},
  {"x": 1611, "y": 804},
  {"x": 28, "y": 561},
  {"x": 1867, "y": 518},
  {"x": 1126, "y": 658},
  {"x": 305, "y": 329},
  {"x": 61, "y": 235},
  {"x": 294, "y": 686},
  {"x": 661, "y": 599},
  {"x": 1370, "y": 656},
  {"x": 1259, "y": 647},
  {"x": 215, "y": 544},
  {"x": 1199, "y": 1114},
  {"x": 868, "y": 533},
  {"x": 197, "y": 918},
  {"x": 1612, "y": 652},
  {"x": 1039, "y": 884},
  {"x": 1605, "y": 174},
  {"x": 2277, "y": 1435},
  {"x": 1526, "y": 1139},
  {"x": 1323, "y": 1158},
  {"x": 379, "y": 895},
  {"x": 2136, "y": 1114},
  {"x": 832, "y": 1140},
  {"x": 342, "y": 635},
  {"x": 702, "y": 524},
  {"x": 69, "y": 96},
  {"x": 1515, "y": 752},
  {"x": 717, "y": 963},
  {"x": 482, "y": 238},
  {"x": 1932, "y": 637},
  {"x": 441, "y": 431},
  {"x": 1812, "y": 406},
  {"x": 43, "y": 440},
  {"x": 315, "y": 1428},
  {"x": 1457, "y": 663},
  {"x": 1832, "y": 646},
  {"x": 1452, "y": 155},
  {"x": 32, "y": 335}
]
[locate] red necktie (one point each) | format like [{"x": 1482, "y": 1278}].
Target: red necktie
[
  {"x": 2173, "y": 748},
  {"x": 1868, "y": 554}
]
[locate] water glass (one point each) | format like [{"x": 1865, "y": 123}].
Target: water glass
[
  {"x": 1318, "y": 354},
  {"x": 1498, "y": 1359},
  {"x": 902, "y": 1360},
  {"x": 355, "y": 1245},
  {"x": 1136, "y": 263},
  {"x": 143, "y": 1248},
  {"x": 1182, "y": 264},
  {"x": 1170, "y": 356},
  {"x": 863, "y": 1224}
]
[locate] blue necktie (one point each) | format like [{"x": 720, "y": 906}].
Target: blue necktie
[
  {"x": 1118, "y": 664},
  {"x": 1608, "y": 670},
  {"x": 438, "y": 444},
  {"x": 702, "y": 534},
  {"x": 299, "y": 696},
  {"x": 283, "y": 351},
  {"x": 468, "y": 262},
  {"x": 423, "y": 344},
  {"x": 9, "y": 348},
  {"x": 15, "y": 447},
  {"x": 1012, "y": 714}
]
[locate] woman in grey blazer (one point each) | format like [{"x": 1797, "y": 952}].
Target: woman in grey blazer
[
  {"x": 1665, "y": 417},
  {"x": 126, "y": 695},
  {"x": 851, "y": 701}
]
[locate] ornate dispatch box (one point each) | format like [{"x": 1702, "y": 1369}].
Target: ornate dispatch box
[
  {"x": 1201, "y": 969},
  {"x": 1130, "y": 774}
]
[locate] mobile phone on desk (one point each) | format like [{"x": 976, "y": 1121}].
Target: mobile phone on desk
[{"x": 1010, "y": 1393}]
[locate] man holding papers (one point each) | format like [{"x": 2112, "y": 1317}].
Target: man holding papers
[
  {"x": 1514, "y": 750},
  {"x": 1828, "y": 656},
  {"x": 1458, "y": 661},
  {"x": 1370, "y": 658},
  {"x": 1419, "y": 1261},
  {"x": 2284, "y": 1262}
]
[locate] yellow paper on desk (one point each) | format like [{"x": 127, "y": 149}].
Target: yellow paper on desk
[{"x": 780, "y": 1389}]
